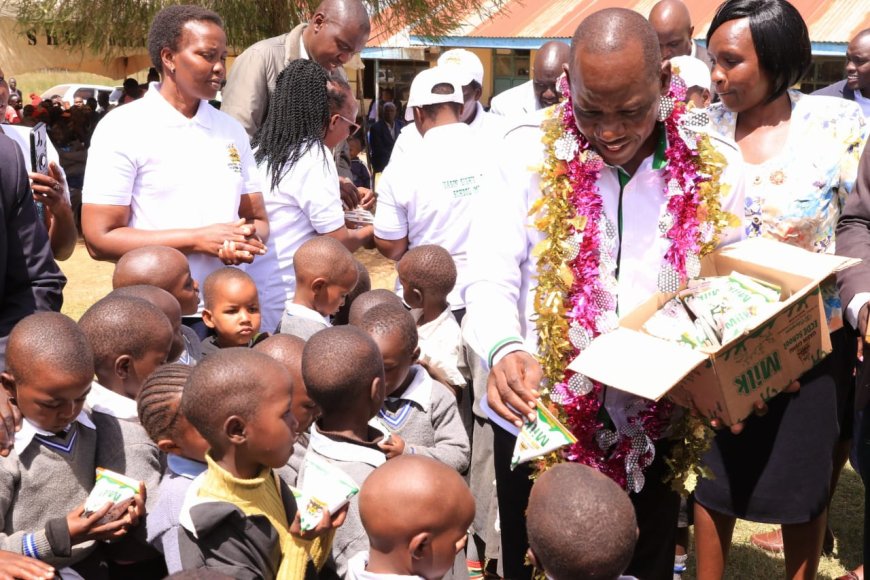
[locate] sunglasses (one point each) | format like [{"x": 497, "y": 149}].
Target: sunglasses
[{"x": 353, "y": 126}]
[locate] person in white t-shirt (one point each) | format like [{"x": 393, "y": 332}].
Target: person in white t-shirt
[
  {"x": 171, "y": 170},
  {"x": 426, "y": 199},
  {"x": 295, "y": 163},
  {"x": 468, "y": 70}
]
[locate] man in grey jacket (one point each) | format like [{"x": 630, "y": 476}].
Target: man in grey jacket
[{"x": 338, "y": 30}]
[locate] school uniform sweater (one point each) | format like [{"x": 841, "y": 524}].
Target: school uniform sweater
[
  {"x": 41, "y": 481},
  {"x": 302, "y": 321},
  {"x": 357, "y": 460},
  {"x": 162, "y": 521},
  {"x": 240, "y": 527},
  {"x": 427, "y": 418}
]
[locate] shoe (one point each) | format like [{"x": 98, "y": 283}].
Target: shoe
[
  {"x": 772, "y": 541},
  {"x": 768, "y": 541}
]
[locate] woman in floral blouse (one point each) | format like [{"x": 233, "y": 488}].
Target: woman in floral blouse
[{"x": 800, "y": 155}]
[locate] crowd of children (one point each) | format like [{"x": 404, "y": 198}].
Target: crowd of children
[{"x": 220, "y": 433}]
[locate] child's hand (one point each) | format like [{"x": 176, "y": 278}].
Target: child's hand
[
  {"x": 10, "y": 422},
  {"x": 327, "y": 522},
  {"x": 17, "y": 567},
  {"x": 394, "y": 447},
  {"x": 83, "y": 528}
]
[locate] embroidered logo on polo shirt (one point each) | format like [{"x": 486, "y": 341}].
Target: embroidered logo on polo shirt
[{"x": 235, "y": 163}]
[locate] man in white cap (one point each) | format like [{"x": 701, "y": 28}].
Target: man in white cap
[
  {"x": 696, "y": 75},
  {"x": 426, "y": 198},
  {"x": 468, "y": 70}
]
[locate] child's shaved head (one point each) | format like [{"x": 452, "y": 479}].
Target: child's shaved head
[
  {"x": 389, "y": 319},
  {"x": 229, "y": 382},
  {"x": 160, "y": 266},
  {"x": 211, "y": 288},
  {"x": 368, "y": 300},
  {"x": 124, "y": 325},
  {"x": 411, "y": 496},
  {"x": 363, "y": 284},
  {"x": 428, "y": 268},
  {"x": 55, "y": 341},
  {"x": 322, "y": 257},
  {"x": 339, "y": 365},
  {"x": 581, "y": 524}
]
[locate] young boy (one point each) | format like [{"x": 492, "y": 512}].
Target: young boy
[
  {"x": 344, "y": 375},
  {"x": 159, "y": 405},
  {"x": 581, "y": 524},
  {"x": 45, "y": 480},
  {"x": 368, "y": 300},
  {"x": 237, "y": 516},
  {"x": 130, "y": 337},
  {"x": 232, "y": 310},
  {"x": 428, "y": 274},
  {"x": 420, "y": 413},
  {"x": 181, "y": 351},
  {"x": 416, "y": 512},
  {"x": 287, "y": 350},
  {"x": 363, "y": 284},
  {"x": 168, "y": 269},
  {"x": 325, "y": 274}
]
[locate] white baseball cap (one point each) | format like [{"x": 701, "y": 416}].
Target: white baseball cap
[
  {"x": 692, "y": 70},
  {"x": 421, "y": 89},
  {"x": 469, "y": 65}
]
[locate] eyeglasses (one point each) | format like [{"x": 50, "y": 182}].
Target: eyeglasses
[{"x": 353, "y": 126}]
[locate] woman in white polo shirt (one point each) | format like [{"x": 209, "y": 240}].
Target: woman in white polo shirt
[
  {"x": 310, "y": 112},
  {"x": 169, "y": 169}
]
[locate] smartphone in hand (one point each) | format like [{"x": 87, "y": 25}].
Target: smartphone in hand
[{"x": 39, "y": 158}]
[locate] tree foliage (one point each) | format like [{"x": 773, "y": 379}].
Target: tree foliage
[{"x": 108, "y": 26}]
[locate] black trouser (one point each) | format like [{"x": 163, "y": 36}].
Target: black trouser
[{"x": 656, "y": 506}]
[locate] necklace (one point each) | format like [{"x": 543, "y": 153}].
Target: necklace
[{"x": 576, "y": 295}]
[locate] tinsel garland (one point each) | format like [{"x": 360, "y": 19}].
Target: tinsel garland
[{"x": 575, "y": 298}]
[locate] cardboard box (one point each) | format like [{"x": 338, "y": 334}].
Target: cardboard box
[{"x": 727, "y": 382}]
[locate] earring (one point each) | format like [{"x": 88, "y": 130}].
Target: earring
[
  {"x": 666, "y": 107},
  {"x": 172, "y": 71}
]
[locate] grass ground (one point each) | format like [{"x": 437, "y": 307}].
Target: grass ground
[{"x": 90, "y": 280}]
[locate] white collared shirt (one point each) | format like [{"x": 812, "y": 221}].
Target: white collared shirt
[
  {"x": 306, "y": 203},
  {"x": 500, "y": 297},
  {"x": 172, "y": 172},
  {"x": 515, "y": 102},
  {"x": 342, "y": 451},
  {"x": 103, "y": 400},
  {"x": 356, "y": 570},
  {"x": 440, "y": 344},
  {"x": 24, "y": 436},
  {"x": 301, "y": 311},
  {"x": 420, "y": 389}
]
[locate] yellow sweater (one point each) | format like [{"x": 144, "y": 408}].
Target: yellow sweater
[{"x": 262, "y": 496}]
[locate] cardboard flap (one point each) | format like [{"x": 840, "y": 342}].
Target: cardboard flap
[
  {"x": 636, "y": 363},
  {"x": 788, "y": 258}
]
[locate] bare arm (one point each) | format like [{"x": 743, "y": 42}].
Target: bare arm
[
  {"x": 392, "y": 249},
  {"x": 253, "y": 210},
  {"x": 353, "y": 239},
  {"x": 108, "y": 237}
]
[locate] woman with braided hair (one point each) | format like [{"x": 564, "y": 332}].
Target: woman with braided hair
[{"x": 310, "y": 112}]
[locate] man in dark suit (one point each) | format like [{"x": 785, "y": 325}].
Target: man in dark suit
[
  {"x": 853, "y": 240},
  {"x": 856, "y": 85},
  {"x": 673, "y": 26},
  {"x": 383, "y": 136}
]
